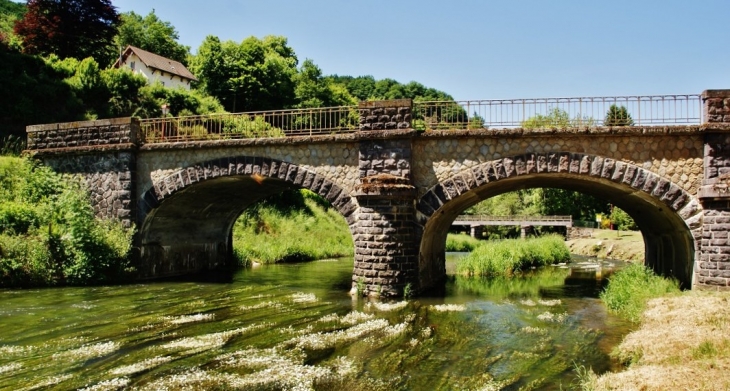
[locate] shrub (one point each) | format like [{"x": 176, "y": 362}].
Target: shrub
[
  {"x": 505, "y": 257},
  {"x": 461, "y": 242},
  {"x": 48, "y": 232},
  {"x": 630, "y": 288}
]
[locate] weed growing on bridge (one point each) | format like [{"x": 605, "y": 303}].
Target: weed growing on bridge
[{"x": 509, "y": 256}]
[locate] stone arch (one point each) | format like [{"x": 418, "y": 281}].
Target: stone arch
[
  {"x": 185, "y": 219},
  {"x": 669, "y": 217}
]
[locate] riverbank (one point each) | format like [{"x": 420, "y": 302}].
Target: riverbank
[
  {"x": 683, "y": 343},
  {"x": 624, "y": 245}
]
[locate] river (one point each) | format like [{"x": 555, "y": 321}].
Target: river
[{"x": 295, "y": 327}]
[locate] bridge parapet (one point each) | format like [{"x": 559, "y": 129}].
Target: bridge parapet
[{"x": 115, "y": 132}]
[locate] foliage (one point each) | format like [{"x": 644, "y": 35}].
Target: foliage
[
  {"x": 151, "y": 34},
  {"x": 618, "y": 116},
  {"x": 622, "y": 221},
  {"x": 69, "y": 28},
  {"x": 569, "y": 202},
  {"x": 556, "y": 118},
  {"x": 256, "y": 74},
  {"x": 314, "y": 90},
  {"x": 367, "y": 88},
  {"x": 629, "y": 289},
  {"x": 506, "y": 257},
  {"x": 48, "y": 233},
  {"x": 461, "y": 242},
  {"x": 292, "y": 226},
  {"x": 247, "y": 127},
  {"x": 10, "y": 12}
]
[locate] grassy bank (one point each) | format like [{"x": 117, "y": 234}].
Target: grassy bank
[
  {"x": 461, "y": 243},
  {"x": 630, "y": 288},
  {"x": 505, "y": 257},
  {"x": 683, "y": 343},
  {"x": 48, "y": 232},
  {"x": 294, "y": 226}
]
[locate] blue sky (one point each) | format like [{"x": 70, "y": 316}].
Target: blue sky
[{"x": 485, "y": 49}]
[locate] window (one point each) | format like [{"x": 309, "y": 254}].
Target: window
[{"x": 131, "y": 65}]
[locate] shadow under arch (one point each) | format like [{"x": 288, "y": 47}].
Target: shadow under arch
[
  {"x": 669, "y": 218},
  {"x": 185, "y": 219}
]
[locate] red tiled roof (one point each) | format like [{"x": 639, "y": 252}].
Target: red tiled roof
[{"x": 158, "y": 62}]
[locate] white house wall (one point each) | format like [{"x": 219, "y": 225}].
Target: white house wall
[{"x": 155, "y": 75}]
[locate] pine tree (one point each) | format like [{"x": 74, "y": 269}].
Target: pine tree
[{"x": 618, "y": 116}]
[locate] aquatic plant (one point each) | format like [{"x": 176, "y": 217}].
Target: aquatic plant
[
  {"x": 630, "y": 288},
  {"x": 506, "y": 257}
]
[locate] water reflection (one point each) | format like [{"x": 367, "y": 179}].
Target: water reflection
[{"x": 295, "y": 327}]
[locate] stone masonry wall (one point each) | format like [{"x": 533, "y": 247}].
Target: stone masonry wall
[
  {"x": 99, "y": 133},
  {"x": 676, "y": 155},
  {"x": 109, "y": 178},
  {"x": 387, "y": 114},
  {"x": 385, "y": 157},
  {"x": 103, "y": 152},
  {"x": 716, "y": 106},
  {"x": 385, "y": 251},
  {"x": 714, "y": 264}
]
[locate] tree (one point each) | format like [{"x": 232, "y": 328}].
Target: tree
[
  {"x": 556, "y": 118},
  {"x": 253, "y": 75},
  {"x": 622, "y": 221},
  {"x": 151, "y": 34},
  {"x": 314, "y": 90},
  {"x": 568, "y": 202},
  {"x": 69, "y": 28},
  {"x": 10, "y": 12},
  {"x": 618, "y": 116}
]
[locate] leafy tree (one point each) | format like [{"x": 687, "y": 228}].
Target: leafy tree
[
  {"x": 10, "y": 12},
  {"x": 69, "y": 28},
  {"x": 568, "y": 202},
  {"x": 556, "y": 118},
  {"x": 256, "y": 74},
  {"x": 314, "y": 90},
  {"x": 622, "y": 221},
  {"x": 151, "y": 34},
  {"x": 618, "y": 116}
]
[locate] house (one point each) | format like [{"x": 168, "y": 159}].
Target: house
[{"x": 155, "y": 68}]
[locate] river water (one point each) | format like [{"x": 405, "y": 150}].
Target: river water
[{"x": 294, "y": 327}]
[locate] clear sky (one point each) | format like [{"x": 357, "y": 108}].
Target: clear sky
[{"x": 485, "y": 49}]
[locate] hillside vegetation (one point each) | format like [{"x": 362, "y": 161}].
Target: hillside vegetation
[{"x": 48, "y": 233}]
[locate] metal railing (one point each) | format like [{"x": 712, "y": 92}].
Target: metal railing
[
  {"x": 536, "y": 113},
  {"x": 497, "y": 220},
  {"x": 546, "y": 113},
  {"x": 278, "y": 123}
]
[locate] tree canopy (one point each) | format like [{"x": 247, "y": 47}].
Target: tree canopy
[
  {"x": 618, "y": 116},
  {"x": 151, "y": 34},
  {"x": 69, "y": 28},
  {"x": 256, "y": 74}
]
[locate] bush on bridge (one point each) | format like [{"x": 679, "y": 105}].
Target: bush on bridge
[{"x": 48, "y": 232}]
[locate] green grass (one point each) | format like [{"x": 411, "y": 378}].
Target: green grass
[
  {"x": 630, "y": 288},
  {"x": 461, "y": 243},
  {"x": 506, "y": 257},
  {"x": 296, "y": 226}
]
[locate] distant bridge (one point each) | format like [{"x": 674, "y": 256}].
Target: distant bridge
[
  {"x": 401, "y": 172},
  {"x": 476, "y": 221}
]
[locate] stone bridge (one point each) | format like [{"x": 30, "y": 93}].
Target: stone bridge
[{"x": 400, "y": 189}]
